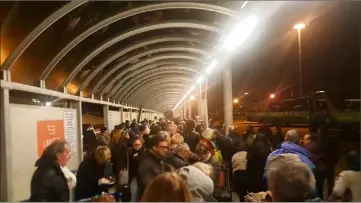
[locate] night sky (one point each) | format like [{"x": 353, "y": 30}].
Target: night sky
[
  {"x": 330, "y": 49},
  {"x": 269, "y": 61}
]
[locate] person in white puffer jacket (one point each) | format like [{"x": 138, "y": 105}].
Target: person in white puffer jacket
[{"x": 349, "y": 180}]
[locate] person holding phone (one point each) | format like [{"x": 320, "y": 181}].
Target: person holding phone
[{"x": 93, "y": 176}]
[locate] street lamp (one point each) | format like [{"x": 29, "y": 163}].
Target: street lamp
[
  {"x": 235, "y": 101},
  {"x": 299, "y": 27},
  {"x": 272, "y": 96}
]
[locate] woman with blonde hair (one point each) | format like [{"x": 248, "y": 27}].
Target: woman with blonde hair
[
  {"x": 91, "y": 176},
  {"x": 167, "y": 187}
]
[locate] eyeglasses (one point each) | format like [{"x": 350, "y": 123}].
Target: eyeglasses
[{"x": 137, "y": 145}]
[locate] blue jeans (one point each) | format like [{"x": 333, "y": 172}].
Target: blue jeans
[{"x": 134, "y": 190}]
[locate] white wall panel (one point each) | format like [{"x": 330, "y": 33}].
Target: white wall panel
[{"x": 25, "y": 149}]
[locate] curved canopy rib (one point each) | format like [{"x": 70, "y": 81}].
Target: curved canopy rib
[
  {"x": 149, "y": 61},
  {"x": 33, "y": 35},
  {"x": 146, "y": 53},
  {"x": 124, "y": 95},
  {"x": 162, "y": 97},
  {"x": 144, "y": 76},
  {"x": 125, "y": 51},
  {"x": 170, "y": 63},
  {"x": 161, "y": 70},
  {"x": 129, "y": 13},
  {"x": 164, "y": 92},
  {"x": 145, "y": 92},
  {"x": 162, "y": 25},
  {"x": 158, "y": 83}
]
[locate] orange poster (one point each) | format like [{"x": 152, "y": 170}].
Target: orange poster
[{"x": 49, "y": 131}]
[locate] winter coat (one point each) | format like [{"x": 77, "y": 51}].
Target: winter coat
[
  {"x": 135, "y": 157},
  {"x": 88, "y": 175},
  {"x": 289, "y": 147},
  {"x": 176, "y": 161},
  {"x": 48, "y": 183},
  {"x": 192, "y": 139},
  {"x": 149, "y": 167}
]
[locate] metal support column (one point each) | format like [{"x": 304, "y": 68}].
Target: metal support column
[
  {"x": 200, "y": 102},
  {"x": 190, "y": 109},
  {"x": 106, "y": 116},
  {"x": 79, "y": 116},
  {"x": 121, "y": 115},
  {"x": 206, "y": 104},
  {"x": 5, "y": 148},
  {"x": 227, "y": 97},
  {"x": 130, "y": 115}
]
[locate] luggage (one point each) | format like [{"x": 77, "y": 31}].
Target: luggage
[{"x": 222, "y": 184}]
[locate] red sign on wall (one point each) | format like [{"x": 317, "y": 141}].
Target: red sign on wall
[{"x": 48, "y": 131}]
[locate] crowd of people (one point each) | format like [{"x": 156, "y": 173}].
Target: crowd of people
[{"x": 176, "y": 161}]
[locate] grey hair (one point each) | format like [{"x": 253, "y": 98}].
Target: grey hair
[
  {"x": 292, "y": 136},
  {"x": 205, "y": 168},
  {"x": 165, "y": 134},
  {"x": 289, "y": 179},
  {"x": 56, "y": 146},
  {"x": 181, "y": 147}
]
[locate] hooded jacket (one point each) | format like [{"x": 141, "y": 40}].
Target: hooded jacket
[
  {"x": 289, "y": 147},
  {"x": 48, "y": 183},
  {"x": 200, "y": 185}
]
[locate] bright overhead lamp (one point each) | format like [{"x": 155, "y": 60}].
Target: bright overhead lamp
[
  {"x": 189, "y": 91},
  {"x": 192, "y": 88},
  {"x": 272, "y": 96},
  {"x": 246, "y": 93},
  {"x": 244, "y": 4},
  {"x": 200, "y": 79},
  {"x": 211, "y": 66},
  {"x": 192, "y": 97},
  {"x": 241, "y": 32},
  {"x": 235, "y": 101},
  {"x": 299, "y": 26},
  {"x": 48, "y": 104}
]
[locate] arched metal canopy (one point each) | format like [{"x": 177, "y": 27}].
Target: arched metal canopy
[
  {"x": 146, "y": 76},
  {"x": 156, "y": 26},
  {"x": 142, "y": 54},
  {"x": 123, "y": 15},
  {"x": 123, "y": 51},
  {"x": 145, "y": 92},
  {"x": 16, "y": 53},
  {"x": 124, "y": 96},
  {"x": 141, "y": 73},
  {"x": 170, "y": 63},
  {"x": 160, "y": 70},
  {"x": 166, "y": 94},
  {"x": 160, "y": 98},
  {"x": 158, "y": 83},
  {"x": 149, "y": 61}
]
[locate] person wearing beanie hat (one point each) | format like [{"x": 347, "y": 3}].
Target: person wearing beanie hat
[{"x": 200, "y": 185}]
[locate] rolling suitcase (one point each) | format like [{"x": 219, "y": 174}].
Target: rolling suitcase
[{"x": 222, "y": 185}]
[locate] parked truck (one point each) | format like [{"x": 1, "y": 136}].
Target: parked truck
[{"x": 315, "y": 111}]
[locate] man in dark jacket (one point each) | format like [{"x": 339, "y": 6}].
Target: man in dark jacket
[
  {"x": 181, "y": 156},
  {"x": 152, "y": 164},
  {"x": 48, "y": 183},
  {"x": 190, "y": 136}
]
